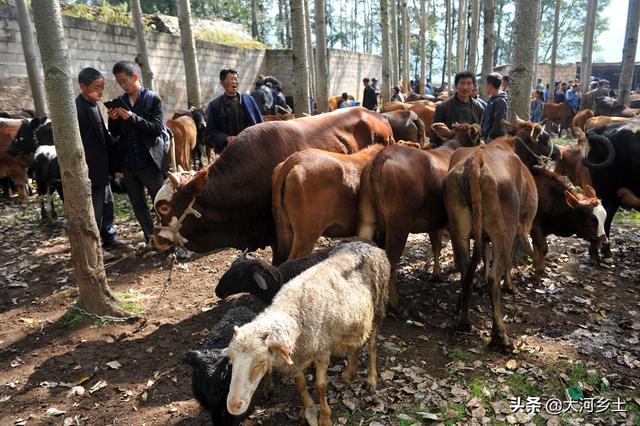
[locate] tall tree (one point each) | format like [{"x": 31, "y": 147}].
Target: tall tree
[
  {"x": 143, "y": 55},
  {"x": 473, "y": 36},
  {"x": 32, "y": 59},
  {"x": 287, "y": 23},
  {"x": 254, "y": 19},
  {"x": 629, "y": 51},
  {"x": 406, "y": 66},
  {"x": 449, "y": 42},
  {"x": 84, "y": 237},
  {"x": 189, "y": 53},
  {"x": 523, "y": 53},
  {"x": 488, "y": 40},
  {"x": 587, "y": 44},
  {"x": 537, "y": 52},
  {"x": 395, "y": 48},
  {"x": 422, "y": 56},
  {"x": 281, "y": 24},
  {"x": 461, "y": 35},
  {"x": 300, "y": 59},
  {"x": 322, "y": 72},
  {"x": 310, "y": 55},
  {"x": 386, "y": 51},
  {"x": 554, "y": 48}
]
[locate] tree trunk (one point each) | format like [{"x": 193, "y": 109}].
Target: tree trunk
[
  {"x": 629, "y": 52},
  {"x": 287, "y": 23},
  {"x": 554, "y": 52},
  {"x": 406, "y": 66},
  {"x": 500, "y": 16},
  {"x": 537, "y": 53},
  {"x": 449, "y": 42},
  {"x": 300, "y": 59},
  {"x": 143, "y": 55},
  {"x": 461, "y": 35},
  {"x": 254, "y": 19},
  {"x": 189, "y": 53},
  {"x": 473, "y": 37},
  {"x": 386, "y": 52},
  {"x": 322, "y": 72},
  {"x": 84, "y": 237},
  {"x": 395, "y": 48},
  {"x": 587, "y": 43},
  {"x": 310, "y": 56},
  {"x": 32, "y": 59},
  {"x": 281, "y": 19},
  {"x": 488, "y": 41},
  {"x": 523, "y": 52},
  {"x": 422, "y": 55}
]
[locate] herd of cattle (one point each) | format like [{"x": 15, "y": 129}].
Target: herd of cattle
[{"x": 359, "y": 173}]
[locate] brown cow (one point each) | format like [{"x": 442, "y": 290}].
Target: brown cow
[
  {"x": 425, "y": 111},
  {"x": 580, "y": 119},
  {"x": 570, "y": 164},
  {"x": 605, "y": 120},
  {"x": 185, "y": 136},
  {"x": 490, "y": 196},
  {"x": 413, "y": 97},
  {"x": 395, "y": 106},
  {"x": 229, "y": 204},
  {"x": 559, "y": 113},
  {"x": 406, "y": 126},
  {"x": 401, "y": 193},
  {"x": 315, "y": 193},
  {"x": 15, "y": 167},
  {"x": 628, "y": 198}
]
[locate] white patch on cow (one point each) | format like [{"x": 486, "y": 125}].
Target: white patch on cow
[
  {"x": 165, "y": 193},
  {"x": 601, "y": 214},
  {"x": 171, "y": 232},
  {"x": 242, "y": 388}
]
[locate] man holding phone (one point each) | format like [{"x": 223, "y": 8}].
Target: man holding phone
[{"x": 141, "y": 148}]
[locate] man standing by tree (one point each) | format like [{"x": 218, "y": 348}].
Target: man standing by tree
[
  {"x": 229, "y": 113},
  {"x": 572, "y": 98},
  {"x": 141, "y": 145},
  {"x": 460, "y": 108},
  {"x": 369, "y": 98},
  {"x": 496, "y": 109}
]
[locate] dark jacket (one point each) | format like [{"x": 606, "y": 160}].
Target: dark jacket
[
  {"x": 147, "y": 125},
  {"x": 369, "y": 99},
  {"x": 452, "y": 110},
  {"x": 96, "y": 140},
  {"x": 492, "y": 121},
  {"x": 219, "y": 126}
]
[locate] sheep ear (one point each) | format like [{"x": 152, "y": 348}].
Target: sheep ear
[
  {"x": 259, "y": 280},
  {"x": 282, "y": 351},
  {"x": 235, "y": 330}
]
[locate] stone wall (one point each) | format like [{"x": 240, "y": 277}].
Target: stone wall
[{"x": 101, "y": 45}]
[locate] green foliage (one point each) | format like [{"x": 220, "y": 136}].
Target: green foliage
[
  {"x": 73, "y": 318},
  {"x": 458, "y": 354},
  {"x": 230, "y": 39},
  {"x": 109, "y": 14},
  {"x": 521, "y": 385}
]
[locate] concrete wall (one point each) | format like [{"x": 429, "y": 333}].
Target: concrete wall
[{"x": 100, "y": 45}]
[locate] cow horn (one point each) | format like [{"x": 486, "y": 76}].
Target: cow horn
[
  {"x": 244, "y": 253},
  {"x": 611, "y": 152},
  {"x": 174, "y": 178},
  {"x": 180, "y": 169}
]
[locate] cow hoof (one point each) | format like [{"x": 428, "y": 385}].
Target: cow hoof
[{"x": 501, "y": 344}]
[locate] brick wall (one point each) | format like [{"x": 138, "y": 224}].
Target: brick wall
[{"x": 101, "y": 45}]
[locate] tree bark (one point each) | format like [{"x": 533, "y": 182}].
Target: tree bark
[
  {"x": 310, "y": 55},
  {"x": 406, "y": 66},
  {"x": 395, "y": 48},
  {"x": 300, "y": 59},
  {"x": 322, "y": 71},
  {"x": 537, "y": 53},
  {"x": 282, "y": 23},
  {"x": 287, "y": 24},
  {"x": 84, "y": 238},
  {"x": 32, "y": 59},
  {"x": 449, "y": 42},
  {"x": 488, "y": 41},
  {"x": 473, "y": 37},
  {"x": 254, "y": 19},
  {"x": 386, "y": 52},
  {"x": 587, "y": 43},
  {"x": 461, "y": 35},
  {"x": 189, "y": 53},
  {"x": 523, "y": 53},
  {"x": 422, "y": 55},
  {"x": 554, "y": 51},
  {"x": 629, "y": 52},
  {"x": 143, "y": 55}
]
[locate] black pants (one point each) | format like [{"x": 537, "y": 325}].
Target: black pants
[
  {"x": 102, "y": 199},
  {"x": 136, "y": 181}
]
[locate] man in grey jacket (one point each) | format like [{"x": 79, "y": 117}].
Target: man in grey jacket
[{"x": 496, "y": 109}]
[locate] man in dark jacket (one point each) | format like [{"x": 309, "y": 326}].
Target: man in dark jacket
[
  {"x": 98, "y": 148},
  {"x": 369, "y": 99},
  {"x": 461, "y": 107},
  {"x": 141, "y": 146},
  {"x": 229, "y": 113},
  {"x": 496, "y": 109}
]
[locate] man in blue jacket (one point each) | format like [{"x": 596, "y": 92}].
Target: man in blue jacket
[{"x": 229, "y": 113}]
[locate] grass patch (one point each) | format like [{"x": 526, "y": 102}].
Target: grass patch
[
  {"x": 128, "y": 295},
  {"x": 133, "y": 307},
  {"x": 73, "y": 318},
  {"x": 521, "y": 385},
  {"x": 627, "y": 216},
  {"x": 477, "y": 387},
  {"x": 230, "y": 39},
  {"x": 105, "y": 12},
  {"x": 459, "y": 354},
  {"x": 453, "y": 415},
  {"x": 411, "y": 412},
  {"x": 122, "y": 207}
]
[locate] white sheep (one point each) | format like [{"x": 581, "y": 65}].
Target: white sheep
[{"x": 330, "y": 309}]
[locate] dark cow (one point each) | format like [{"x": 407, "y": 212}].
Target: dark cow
[
  {"x": 23, "y": 113},
  {"x": 401, "y": 193},
  {"x": 614, "y": 161},
  {"x": 406, "y": 126},
  {"x": 490, "y": 196},
  {"x": 611, "y": 107},
  {"x": 48, "y": 178},
  {"x": 229, "y": 203}
]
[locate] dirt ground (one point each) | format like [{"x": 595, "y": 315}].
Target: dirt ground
[{"x": 576, "y": 334}]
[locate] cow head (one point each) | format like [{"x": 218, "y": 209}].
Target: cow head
[
  {"x": 533, "y": 144},
  {"x": 464, "y": 134},
  {"x": 252, "y": 354},
  {"x": 173, "y": 204},
  {"x": 588, "y": 215},
  {"x": 27, "y": 139}
]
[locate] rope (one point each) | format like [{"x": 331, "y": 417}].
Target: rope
[{"x": 544, "y": 161}]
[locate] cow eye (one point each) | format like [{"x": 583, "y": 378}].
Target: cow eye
[{"x": 164, "y": 209}]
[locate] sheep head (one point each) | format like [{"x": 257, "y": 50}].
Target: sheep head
[{"x": 251, "y": 276}]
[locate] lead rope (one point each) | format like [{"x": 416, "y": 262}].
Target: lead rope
[
  {"x": 175, "y": 224},
  {"x": 544, "y": 161}
]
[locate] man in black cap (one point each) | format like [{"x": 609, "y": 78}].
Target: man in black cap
[{"x": 369, "y": 98}]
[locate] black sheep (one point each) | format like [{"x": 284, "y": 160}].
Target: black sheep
[
  {"x": 211, "y": 369},
  {"x": 261, "y": 279}
]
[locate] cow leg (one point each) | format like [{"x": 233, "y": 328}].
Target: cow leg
[
  {"x": 436, "y": 247},
  {"x": 611, "y": 207},
  {"x": 321, "y": 388},
  {"x": 53, "y": 209},
  {"x": 6, "y": 187},
  {"x": 303, "y": 245},
  {"x": 540, "y": 249},
  {"x": 372, "y": 380},
  {"x": 21, "y": 185},
  {"x": 502, "y": 246},
  {"x": 352, "y": 367},
  {"x": 396, "y": 239},
  {"x": 44, "y": 215}
]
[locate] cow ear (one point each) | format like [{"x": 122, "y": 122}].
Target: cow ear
[
  {"x": 174, "y": 178},
  {"x": 571, "y": 199},
  {"x": 509, "y": 126},
  {"x": 281, "y": 350},
  {"x": 474, "y": 131},
  {"x": 442, "y": 130},
  {"x": 543, "y": 122},
  {"x": 535, "y": 132},
  {"x": 199, "y": 181},
  {"x": 589, "y": 192}
]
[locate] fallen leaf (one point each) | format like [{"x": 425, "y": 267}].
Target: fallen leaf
[
  {"x": 100, "y": 385},
  {"x": 512, "y": 364},
  {"x": 54, "y": 412},
  {"x": 76, "y": 391},
  {"x": 114, "y": 365}
]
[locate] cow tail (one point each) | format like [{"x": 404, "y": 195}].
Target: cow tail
[
  {"x": 475, "y": 166},
  {"x": 368, "y": 216},
  {"x": 284, "y": 232}
]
